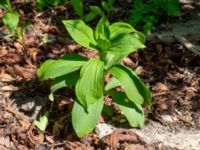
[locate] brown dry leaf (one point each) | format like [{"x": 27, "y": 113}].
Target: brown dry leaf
[
  {"x": 49, "y": 139},
  {"x": 11, "y": 59},
  {"x": 24, "y": 72},
  {"x": 18, "y": 46},
  {"x": 4, "y": 77},
  {"x": 160, "y": 87},
  {"x": 123, "y": 137},
  {"x": 73, "y": 47},
  {"x": 5, "y": 141},
  {"x": 35, "y": 136},
  {"x": 8, "y": 88},
  {"x": 33, "y": 53},
  {"x": 76, "y": 146},
  {"x": 24, "y": 124}
]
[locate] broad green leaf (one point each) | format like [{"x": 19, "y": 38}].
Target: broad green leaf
[
  {"x": 43, "y": 122},
  {"x": 120, "y": 28},
  {"x": 11, "y": 20},
  {"x": 124, "y": 44},
  {"x": 103, "y": 44},
  {"x": 63, "y": 81},
  {"x": 142, "y": 88},
  {"x": 78, "y": 7},
  {"x": 141, "y": 37},
  {"x": 84, "y": 122},
  {"x": 94, "y": 11},
  {"x": 112, "y": 59},
  {"x": 80, "y": 32},
  {"x": 126, "y": 80},
  {"x": 89, "y": 87},
  {"x": 102, "y": 30},
  {"x": 133, "y": 112},
  {"x": 55, "y": 68},
  {"x": 112, "y": 83}
]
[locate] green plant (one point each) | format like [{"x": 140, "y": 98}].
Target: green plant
[
  {"x": 147, "y": 13},
  {"x": 41, "y": 4},
  {"x": 11, "y": 17},
  {"x": 11, "y": 20},
  {"x": 113, "y": 42},
  {"x": 78, "y": 7}
]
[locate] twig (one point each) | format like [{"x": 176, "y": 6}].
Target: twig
[
  {"x": 191, "y": 47},
  {"x": 184, "y": 120},
  {"x": 163, "y": 93}
]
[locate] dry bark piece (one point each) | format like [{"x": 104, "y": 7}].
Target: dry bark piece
[{"x": 123, "y": 139}]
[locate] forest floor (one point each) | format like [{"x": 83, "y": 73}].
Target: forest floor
[{"x": 168, "y": 67}]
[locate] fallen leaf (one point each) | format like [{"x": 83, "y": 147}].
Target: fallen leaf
[{"x": 11, "y": 59}]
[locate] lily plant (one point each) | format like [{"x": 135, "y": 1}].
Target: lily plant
[{"x": 113, "y": 42}]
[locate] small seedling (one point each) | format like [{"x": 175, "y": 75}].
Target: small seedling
[
  {"x": 41, "y": 4},
  {"x": 113, "y": 42},
  {"x": 94, "y": 10},
  {"x": 11, "y": 20}
]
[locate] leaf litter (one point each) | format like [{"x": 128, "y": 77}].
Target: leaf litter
[{"x": 171, "y": 72}]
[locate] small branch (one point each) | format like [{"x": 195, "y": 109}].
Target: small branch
[{"x": 191, "y": 47}]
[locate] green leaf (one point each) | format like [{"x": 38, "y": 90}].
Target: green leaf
[
  {"x": 124, "y": 44},
  {"x": 103, "y": 44},
  {"x": 78, "y": 7},
  {"x": 43, "y": 122},
  {"x": 90, "y": 16},
  {"x": 173, "y": 7},
  {"x": 121, "y": 28},
  {"x": 112, "y": 59},
  {"x": 112, "y": 83},
  {"x": 94, "y": 11},
  {"x": 80, "y": 32},
  {"x": 41, "y": 4},
  {"x": 63, "y": 81},
  {"x": 11, "y": 20},
  {"x": 3, "y": 4},
  {"x": 89, "y": 87},
  {"x": 108, "y": 110},
  {"x": 102, "y": 30},
  {"x": 141, "y": 37},
  {"x": 127, "y": 81},
  {"x": 142, "y": 88},
  {"x": 104, "y": 5},
  {"x": 56, "y": 2},
  {"x": 133, "y": 112},
  {"x": 55, "y": 68},
  {"x": 84, "y": 122}
]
